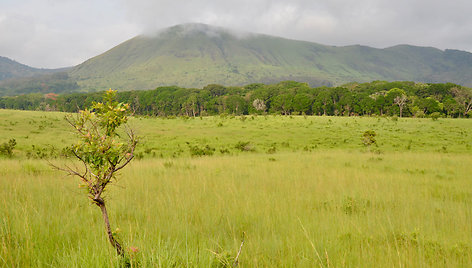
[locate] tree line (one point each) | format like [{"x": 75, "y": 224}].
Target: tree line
[{"x": 403, "y": 99}]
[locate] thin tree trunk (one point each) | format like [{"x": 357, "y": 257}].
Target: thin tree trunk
[{"x": 114, "y": 243}]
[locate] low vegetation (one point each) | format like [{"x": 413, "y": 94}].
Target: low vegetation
[
  {"x": 297, "y": 190},
  {"x": 345, "y": 209},
  {"x": 6, "y": 148}
]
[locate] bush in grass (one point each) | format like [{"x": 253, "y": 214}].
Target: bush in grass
[
  {"x": 435, "y": 116},
  {"x": 272, "y": 149},
  {"x": 244, "y": 146},
  {"x": 368, "y": 138},
  {"x": 6, "y": 148},
  {"x": 49, "y": 151},
  {"x": 420, "y": 114},
  {"x": 195, "y": 150},
  {"x": 224, "y": 151}
]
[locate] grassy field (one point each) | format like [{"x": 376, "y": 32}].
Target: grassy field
[
  {"x": 173, "y": 137},
  {"x": 304, "y": 191}
]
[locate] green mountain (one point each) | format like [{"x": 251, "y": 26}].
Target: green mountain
[
  {"x": 17, "y": 78},
  {"x": 194, "y": 55},
  {"x": 12, "y": 69}
]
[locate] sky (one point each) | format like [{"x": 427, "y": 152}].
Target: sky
[{"x": 61, "y": 33}]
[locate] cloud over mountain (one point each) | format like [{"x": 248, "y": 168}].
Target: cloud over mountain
[{"x": 57, "y": 33}]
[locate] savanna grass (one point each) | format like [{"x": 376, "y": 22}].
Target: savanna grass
[
  {"x": 315, "y": 201},
  {"x": 173, "y": 137}
]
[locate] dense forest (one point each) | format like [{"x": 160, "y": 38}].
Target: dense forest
[{"x": 403, "y": 99}]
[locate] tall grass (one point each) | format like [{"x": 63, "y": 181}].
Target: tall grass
[
  {"x": 329, "y": 208},
  {"x": 172, "y": 137},
  {"x": 303, "y": 190}
]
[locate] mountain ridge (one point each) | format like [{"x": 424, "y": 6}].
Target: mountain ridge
[
  {"x": 195, "y": 55},
  {"x": 12, "y": 69}
]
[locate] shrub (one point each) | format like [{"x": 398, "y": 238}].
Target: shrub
[
  {"x": 285, "y": 144},
  {"x": 419, "y": 114},
  {"x": 435, "y": 116},
  {"x": 272, "y": 149},
  {"x": 195, "y": 150},
  {"x": 224, "y": 151},
  {"x": 368, "y": 138},
  {"x": 6, "y": 148},
  {"x": 353, "y": 206},
  {"x": 244, "y": 146},
  {"x": 39, "y": 152}
]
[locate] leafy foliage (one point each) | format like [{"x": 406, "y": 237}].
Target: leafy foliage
[
  {"x": 404, "y": 99},
  {"x": 244, "y": 146},
  {"x": 102, "y": 151},
  {"x": 99, "y": 144},
  {"x": 368, "y": 138},
  {"x": 196, "y": 150},
  {"x": 6, "y": 148}
]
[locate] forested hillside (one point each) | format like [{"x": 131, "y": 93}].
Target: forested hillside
[
  {"x": 17, "y": 78},
  {"x": 58, "y": 82}
]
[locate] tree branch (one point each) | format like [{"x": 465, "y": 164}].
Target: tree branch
[
  {"x": 72, "y": 172},
  {"x": 132, "y": 147}
]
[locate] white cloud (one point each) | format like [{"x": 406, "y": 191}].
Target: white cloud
[
  {"x": 61, "y": 33},
  {"x": 379, "y": 23},
  {"x": 54, "y": 33}
]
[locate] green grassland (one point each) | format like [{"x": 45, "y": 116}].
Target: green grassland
[{"x": 304, "y": 190}]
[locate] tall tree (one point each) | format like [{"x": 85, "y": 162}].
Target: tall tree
[
  {"x": 463, "y": 96},
  {"x": 400, "y": 101}
]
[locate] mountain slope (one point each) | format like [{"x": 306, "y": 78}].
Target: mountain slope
[
  {"x": 12, "y": 69},
  {"x": 194, "y": 55},
  {"x": 17, "y": 78}
]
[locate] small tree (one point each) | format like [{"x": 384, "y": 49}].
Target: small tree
[
  {"x": 400, "y": 101},
  {"x": 101, "y": 151}
]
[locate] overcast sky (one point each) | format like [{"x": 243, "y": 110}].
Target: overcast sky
[{"x": 59, "y": 33}]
